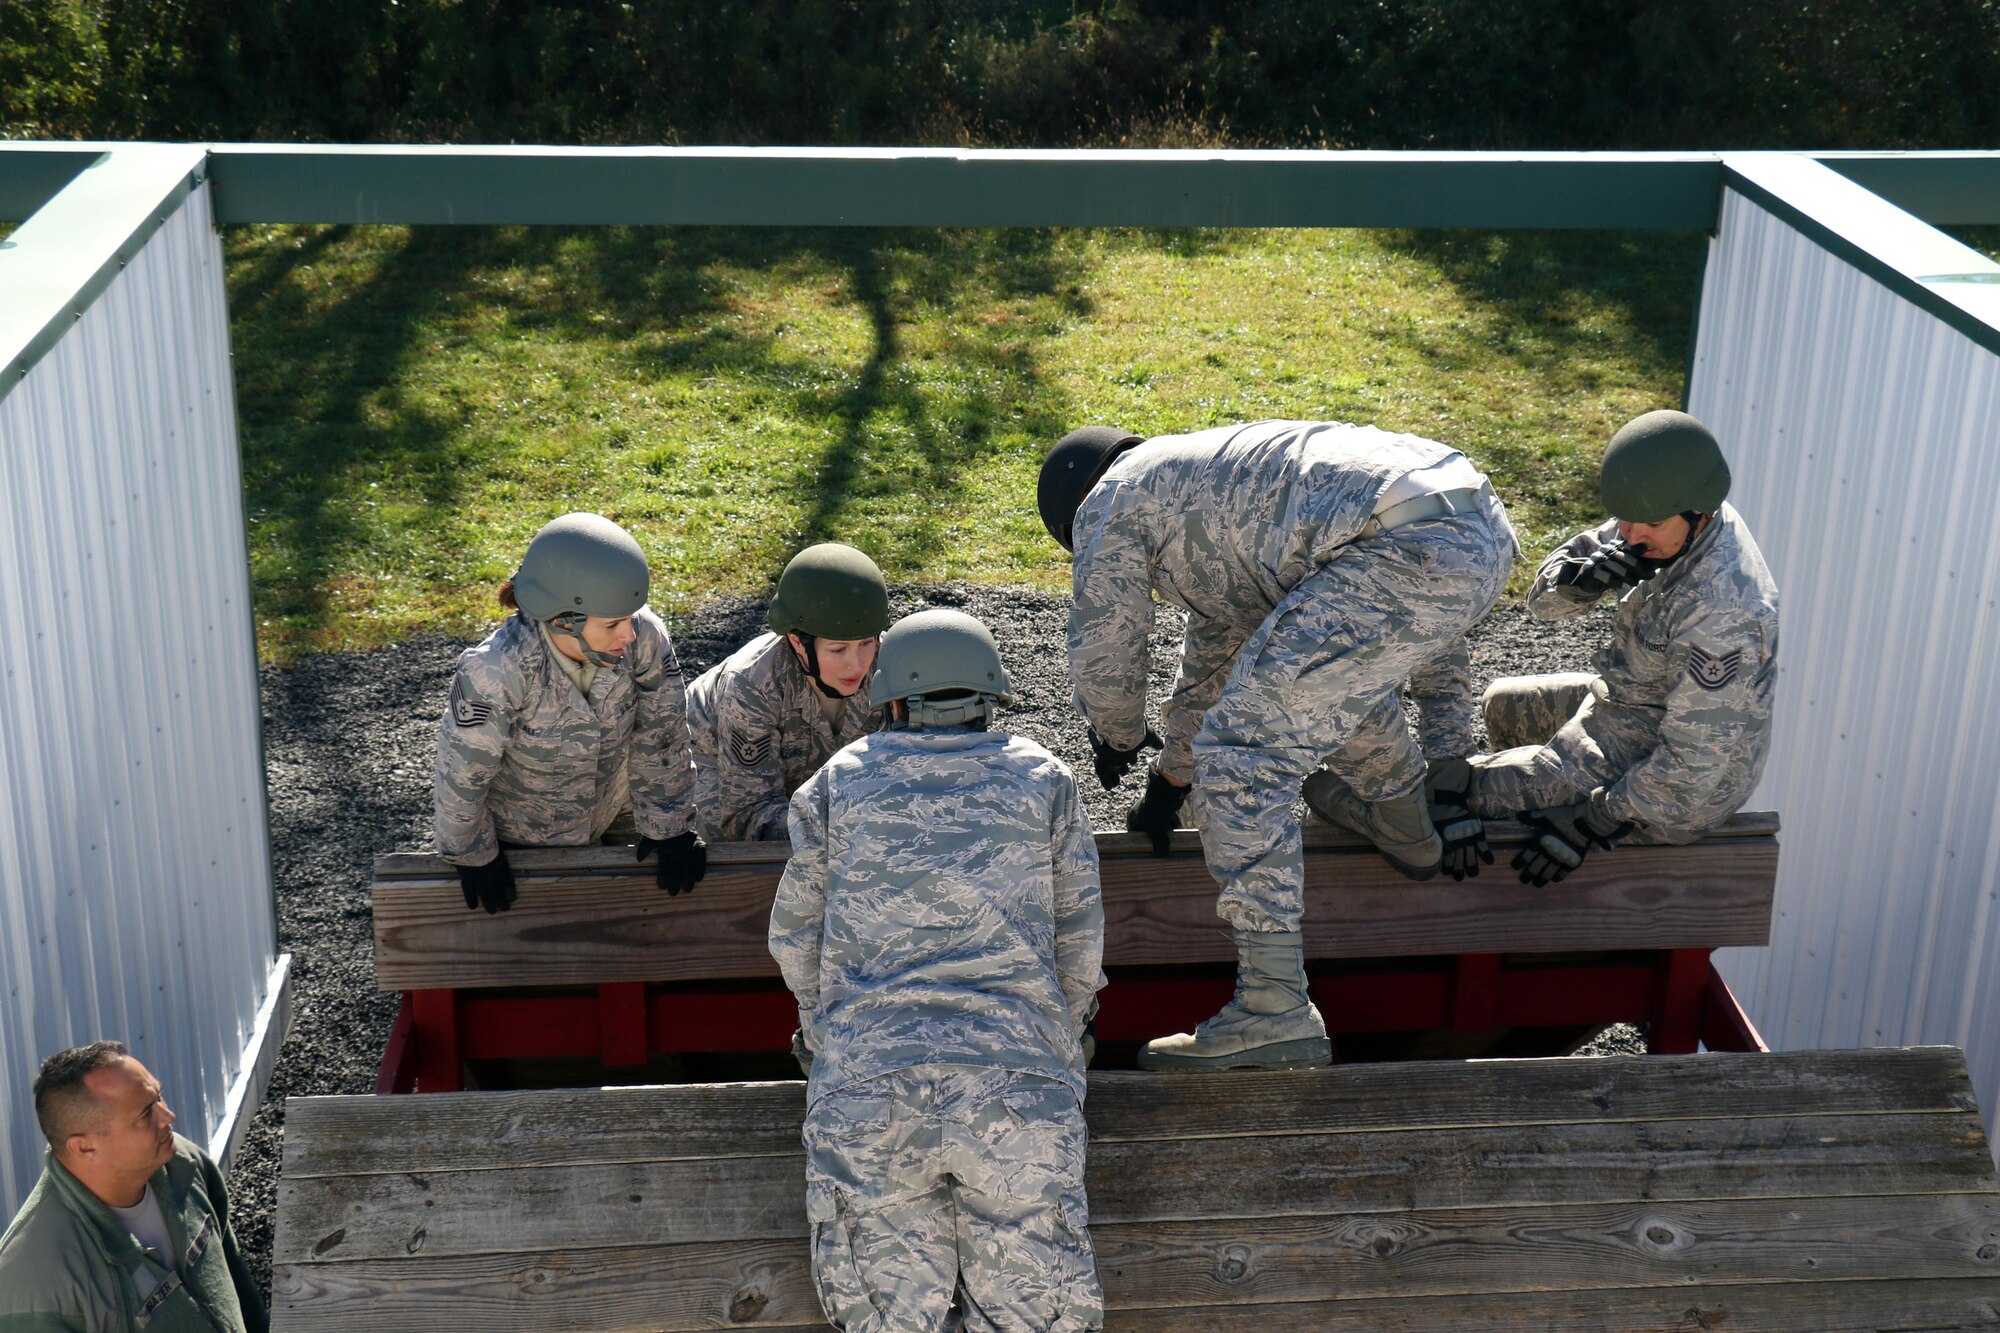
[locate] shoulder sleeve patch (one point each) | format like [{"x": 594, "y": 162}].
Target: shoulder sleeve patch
[
  {"x": 750, "y": 750},
  {"x": 468, "y": 712},
  {"x": 1712, "y": 671}
]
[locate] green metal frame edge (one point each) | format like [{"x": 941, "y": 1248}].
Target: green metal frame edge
[
  {"x": 438, "y": 184},
  {"x": 68, "y": 251},
  {"x": 31, "y": 174},
  {"x": 1950, "y": 284}
]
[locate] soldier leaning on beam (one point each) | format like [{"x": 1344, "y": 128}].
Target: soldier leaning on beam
[
  {"x": 1320, "y": 565},
  {"x": 566, "y": 716},
  {"x": 1670, "y": 735},
  {"x": 941, "y": 928},
  {"x": 768, "y": 715}
]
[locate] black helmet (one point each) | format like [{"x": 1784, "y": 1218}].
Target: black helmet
[{"x": 1071, "y": 469}]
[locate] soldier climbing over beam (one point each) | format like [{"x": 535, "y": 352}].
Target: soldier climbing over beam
[
  {"x": 768, "y": 715},
  {"x": 1667, "y": 738},
  {"x": 1320, "y": 565},
  {"x": 941, "y": 927}
]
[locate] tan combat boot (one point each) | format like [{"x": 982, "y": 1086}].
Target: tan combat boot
[
  {"x": 1400, "y": 827},
  {"x": 1270, "y": 1024}
]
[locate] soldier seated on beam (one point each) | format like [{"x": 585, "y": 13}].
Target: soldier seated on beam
[
  {"x": 768, "y": 715},
  {"x": 568, "y": 716},
  {"x": 1667, "y": 739},
  {"x": 128, "y": 1226},
  {"x": 941, "y": 927},
  {"x": 1321, "y": 565}
]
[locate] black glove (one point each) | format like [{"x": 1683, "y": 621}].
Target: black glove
[
  {"x": 1464, "y": 833},
  {"x": 683, "y": 861},
  {"x": 1113, "y": 764},
  {"x": 1558, "y": 838},
  {"x": 490, "y": 886},
  {"x": 802, "y": 1052},
  {"x": 1613, "y": 565},
  {"x": 1158, "y": 812}
]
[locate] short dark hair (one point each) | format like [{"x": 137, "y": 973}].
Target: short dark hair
[{"x": 61, "y": 1098}]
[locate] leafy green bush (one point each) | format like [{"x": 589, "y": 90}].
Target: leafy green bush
[{"x": 1374, "y": 73}]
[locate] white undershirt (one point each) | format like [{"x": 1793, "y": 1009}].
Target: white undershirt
[{"x": 147, "y": 1222}]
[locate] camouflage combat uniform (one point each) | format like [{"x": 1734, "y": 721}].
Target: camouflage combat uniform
[
  {"x": 525, "y": 758},
  {"x": 1300, "y": 628},
  {"x": 759, "y": 730},
  {"x": 1676, "y": 723},
  {"x": 941, "y": 928}
]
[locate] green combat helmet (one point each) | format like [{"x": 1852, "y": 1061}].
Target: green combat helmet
[
  {"x": 945, "y": 666},
  {"x": 829, "y": 591},
  {"x": 1662, "y": 464},
  {"x": 1073, "y": 466},
  {"x": 578, "y": 566}
]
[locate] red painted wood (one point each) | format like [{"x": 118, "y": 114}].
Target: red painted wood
[
  {"x": 1678, "y": 996},
  {"x": 1475, "y": 997},
  {"x": 621, "y": 1023},
  {"x": 435, "y": 1015},
  {"x": 398, "y": 1072},
  {"x": 1724, "y": 1024}
]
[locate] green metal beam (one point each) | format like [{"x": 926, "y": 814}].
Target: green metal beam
[
  {"x": 874, "y": 187},
  {"x": 55, "y": 264},
  {"x": 1960, "y": 189},
  {"x": 1898, "y": 249},
  {"x": 30, "y": 175}
]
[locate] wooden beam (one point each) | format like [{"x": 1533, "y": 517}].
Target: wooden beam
[
  {"x": 358, "y": 1135},
  {"x": 586, "y": 916}
]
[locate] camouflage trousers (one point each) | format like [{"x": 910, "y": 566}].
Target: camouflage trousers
[
  {"x": 944, "y": 1197},
  {"x": 1319, "y": 681},
  {"x": 1555, "y": 740}
]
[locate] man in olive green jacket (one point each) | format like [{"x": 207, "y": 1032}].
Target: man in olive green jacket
[{"x": 128, "y": 1227}]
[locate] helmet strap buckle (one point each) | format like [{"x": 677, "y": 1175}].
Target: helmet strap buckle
[{"x": 571, "y": 623}]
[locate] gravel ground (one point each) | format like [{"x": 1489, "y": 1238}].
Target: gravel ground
[{"x": 349, "y": 741}]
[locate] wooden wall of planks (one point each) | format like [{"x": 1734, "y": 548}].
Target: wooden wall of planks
[{"x": 1820, "y": 1191}]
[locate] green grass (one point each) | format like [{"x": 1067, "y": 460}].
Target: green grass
[{"x": 415, "y": 403}]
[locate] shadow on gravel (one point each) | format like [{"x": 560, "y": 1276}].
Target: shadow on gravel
[{"x": 349, "y": 742}]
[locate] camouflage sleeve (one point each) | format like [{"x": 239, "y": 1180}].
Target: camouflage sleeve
[
  {"x": 1447, "y": 716},
  {"x": 1715, "y": 661},
  {"x": 1548, "y": 601},
  {"x": 798, "y": 913},
  {"x": 662, "y": 758},
  {"x": 1112, "y": 615},
  {"x": 1208, "y": 651},
  {"x": 749, "y": 759},
  {"x": 472, "y": 743},
  {"x": 1079, "y": 902}
]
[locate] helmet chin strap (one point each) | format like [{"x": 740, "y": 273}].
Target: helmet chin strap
[
  {"x": 1695, "y": 521},
  {"x": 811, "y": 645},
  {"x": 571, "y": 623}
]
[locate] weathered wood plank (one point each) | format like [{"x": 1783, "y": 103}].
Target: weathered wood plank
[
  {"x": 452, "y": 1131},
  {"x": 608, "y": 923},
  {"x": 1466, "y": 1252},
  {"x": 1164, "y": 1265},
  {"x": 1744, "y": 825},
  {"x": 761, "y": 1198},
  {"x": 641, "y": 1288}
]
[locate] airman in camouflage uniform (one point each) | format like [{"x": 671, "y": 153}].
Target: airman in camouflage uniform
[
  {"x": 941, "y": 928},
  {"x": 1668, "y": 738},
  {"x": 536, "y": 750},
  {"x": 767, "y": 716},
  {"x": 1320, "y": 565}
]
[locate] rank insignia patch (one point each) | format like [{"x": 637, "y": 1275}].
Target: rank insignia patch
[
  {"x": 1711, "y": 671},
  {"x": 464, "y": 711},
  {"x": 750, "y": 751}
]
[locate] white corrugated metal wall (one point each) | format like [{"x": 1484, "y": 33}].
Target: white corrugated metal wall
[
  {"x": 135, "y": 884},
  {"x": 1865, "y": 437}
]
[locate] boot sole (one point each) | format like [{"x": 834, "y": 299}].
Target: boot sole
[{"x": 1304, "y": 1053}]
